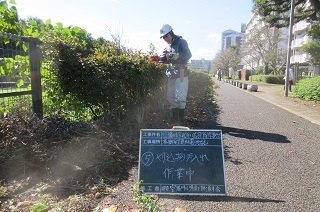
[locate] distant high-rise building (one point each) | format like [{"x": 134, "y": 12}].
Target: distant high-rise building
[
  {"x": 243, "y": 28},
  {"x": 231, "y": 37},
  {"x": 202, "y": 64}
]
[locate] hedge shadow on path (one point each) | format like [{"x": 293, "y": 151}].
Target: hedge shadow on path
[{"x": 254, "y": 135}]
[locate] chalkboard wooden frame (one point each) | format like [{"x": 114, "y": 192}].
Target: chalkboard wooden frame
[{"x": 182, "y": 162}]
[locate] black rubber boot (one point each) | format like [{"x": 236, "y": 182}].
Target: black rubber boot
[
  {"x": 175, "y": 114},
  {"x": 181, "y": 115}
]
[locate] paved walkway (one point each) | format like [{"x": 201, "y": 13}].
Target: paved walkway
[{"x": 274, "y": 94}]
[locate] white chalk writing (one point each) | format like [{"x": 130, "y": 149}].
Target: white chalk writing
[
  {"x": 179, "y": 173},
  {"x": 181, "y": 157}
]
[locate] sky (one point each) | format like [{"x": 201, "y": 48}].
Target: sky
[{"x": 138, "y": 22}]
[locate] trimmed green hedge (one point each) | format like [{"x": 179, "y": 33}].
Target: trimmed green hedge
[
  {"x": 272, "y": 79},
  {"x": 308, "y": 88},
  {"x": 106, "y": 83}
]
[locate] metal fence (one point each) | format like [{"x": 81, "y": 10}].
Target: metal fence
[{"x": 20, "y": 78}]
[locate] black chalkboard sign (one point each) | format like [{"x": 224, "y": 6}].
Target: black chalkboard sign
[{"x": 185, "y": 162}]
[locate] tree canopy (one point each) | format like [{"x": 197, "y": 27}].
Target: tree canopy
[
  {"x": 9, "y": 19},
  {"x": 227, "y": 58},
  {"x": 276, "y": 12},
  {"x": 264, "y": 45}
]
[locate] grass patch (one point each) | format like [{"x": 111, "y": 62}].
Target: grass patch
[{"x": 146, "y": 201}]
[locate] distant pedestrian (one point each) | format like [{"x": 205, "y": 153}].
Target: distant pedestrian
[
  {"x": 219, "y": 74},
  {"x": 290, "y": 79}
]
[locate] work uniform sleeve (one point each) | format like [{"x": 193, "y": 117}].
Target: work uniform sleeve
[{"x": 184, "y": 52}]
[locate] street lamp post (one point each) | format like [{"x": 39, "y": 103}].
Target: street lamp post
[{"x": 289, "y": 46}]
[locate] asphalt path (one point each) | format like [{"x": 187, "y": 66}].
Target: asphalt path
[{"x": 271, "y": 158}]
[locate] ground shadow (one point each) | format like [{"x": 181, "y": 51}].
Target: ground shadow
[
  {"x": 211, "y": 121},
  {"x": 254, "y": 135},
  {"x": 222, "y": 199}
]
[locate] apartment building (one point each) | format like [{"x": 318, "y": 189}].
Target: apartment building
[
  {"x": 255, "y": 24},
  {"x": 299, "y": 58}
]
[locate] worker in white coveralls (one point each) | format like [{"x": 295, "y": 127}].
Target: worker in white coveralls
[{"x": 177, "y": 55}]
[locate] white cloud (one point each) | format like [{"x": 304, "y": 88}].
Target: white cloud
[
  {"x": 214, "y": 36},
  {"x": 140, "y": 40},
  {"x": 207, "y": 54}
]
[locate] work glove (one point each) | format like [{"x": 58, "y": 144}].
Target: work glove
[{"x": 172, "y": 56}]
